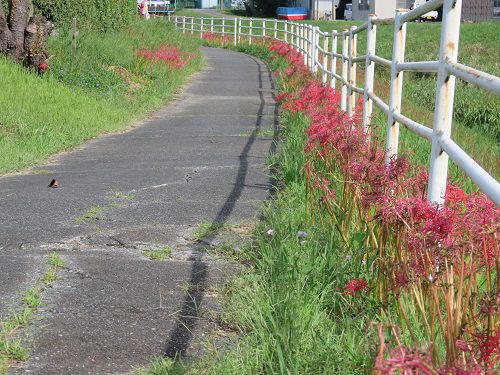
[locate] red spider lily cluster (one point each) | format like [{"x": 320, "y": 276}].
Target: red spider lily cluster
[
  {"x": 170, "y": 55},
  {"x": 440, "y": 260},
  {"x": 214, "y": 37},
  {"x": 355, "y": 286}
]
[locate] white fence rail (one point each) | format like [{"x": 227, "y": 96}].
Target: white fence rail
[{"x": 321, "y": 55}]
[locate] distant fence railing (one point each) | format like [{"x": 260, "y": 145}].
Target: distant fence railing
[
  {"x": 162, "y": 6},
  {"x": 321, "y": 55}
]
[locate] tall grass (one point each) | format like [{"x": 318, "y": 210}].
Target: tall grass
[{"x": 103, "y": 87}]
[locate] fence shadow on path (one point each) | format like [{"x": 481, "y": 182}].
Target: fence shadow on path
[{"x": 182, "y": 335}]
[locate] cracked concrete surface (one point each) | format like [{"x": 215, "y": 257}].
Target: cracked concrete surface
[{"x": 113, "y": 308}]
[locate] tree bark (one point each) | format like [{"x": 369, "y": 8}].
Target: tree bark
[{"x": 23, "y": 37}]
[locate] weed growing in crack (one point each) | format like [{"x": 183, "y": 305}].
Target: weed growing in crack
[
  {"x": 93, "y": 213},
  {"x": 206, "y": 229},
  {"x": 33, "y": 297},
  {"x": 123, "y": 196},
  {"x": 18, "y": 319},
  {"x": 231, "y": 252},
  {"x": 11, "y": 349},
  {"x": 160, "y": 254},
  {"x": 55, "y": 260}
]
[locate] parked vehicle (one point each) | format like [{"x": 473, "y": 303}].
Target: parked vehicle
[
  {"x": 429, "y": 16},
  {"x": 348, "y": 12}
]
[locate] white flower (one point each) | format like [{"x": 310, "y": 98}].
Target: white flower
[{"x": 270, "y": 232}]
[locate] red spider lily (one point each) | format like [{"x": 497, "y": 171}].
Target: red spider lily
[
  {"x": 43, "y": 67},
  {"x": 488, "y": 346},
  {"x": 406, "y": 361},
  {"x": 427, "y": 247},
  {"x": 214, "y": 37},
  {"x": 479, "y": 355},
  {"x": 355, "y": 286},
  {"x": 281, "y": 97},
  {"x": 170, "y": 55}
]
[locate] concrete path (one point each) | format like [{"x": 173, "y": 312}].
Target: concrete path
[
  {"x": 213, "y": 13},
  {"x": 200, "y": 158}
]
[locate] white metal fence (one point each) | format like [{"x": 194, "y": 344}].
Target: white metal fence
[{"x": 321, "y": 55}]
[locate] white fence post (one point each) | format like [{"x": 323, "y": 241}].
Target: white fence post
[
  {"x": 263, "y": 29},
  {"x": 445, "y": 95},
  {"x": 211, "y": 24},
  {"x": 306, "y": 44},
  {"x": 343, "y": 83},
  {"x": 192, "y": 26},
  {"x": 371, "y": 43},
  {"x": 310, "y": 47},
  {"x": 239, "y": 30},
  {"x": 201, "y": 28},
  {"x": 325, "y": 60},
  {"x": 315, "y": 51},
  {"x": 351, "y": 73},
  {"x": 275, "y": 29},
  {"x": 295, "y": 37},
  {"x": 398, "y": 56},
  {"x": 183, "y": 24},
  {"x": 250, "y": 31},
  {"x": 235, "y": 31},
  {"x": 333, "y": 61},
  {"x": 285, "y": 30},
  {"x": 223, "y": 27},
  {"x": 303, "y": 47}
]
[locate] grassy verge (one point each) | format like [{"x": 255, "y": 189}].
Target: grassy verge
[
  {"x": 11, "y": 349},
  {"x": 103, "y": 87}
]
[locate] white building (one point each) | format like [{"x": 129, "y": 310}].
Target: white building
[
  {"x": 318, "y": 8},
  {"x": 382, "y": 8},
  {"x": 360, "y": 8}
]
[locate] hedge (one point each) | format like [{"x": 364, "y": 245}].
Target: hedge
[{"x": 91, "y": 14}]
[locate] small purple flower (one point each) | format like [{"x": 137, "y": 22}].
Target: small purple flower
[
  {"x": 302, "y": 234},
  {"x": 270, "y": 232}
]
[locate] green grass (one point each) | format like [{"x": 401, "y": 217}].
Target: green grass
[
  {"x": 159, "y": 254},
  {"x": 93, "y": 213},
  {"x": 55, "y": 260},
  {"x": 33, "y": 298},
  {"x": 103, "y": 87},
  {"x": 207, "y": 228}
]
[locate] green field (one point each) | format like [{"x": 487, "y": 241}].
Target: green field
[{"x": 103, "y": 87}]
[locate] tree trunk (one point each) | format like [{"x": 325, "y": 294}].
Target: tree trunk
[{"x": 23, "y": 37}]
